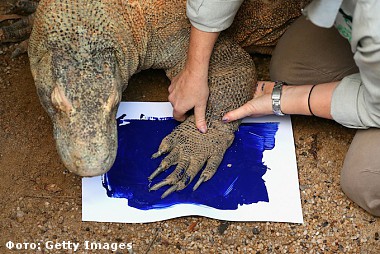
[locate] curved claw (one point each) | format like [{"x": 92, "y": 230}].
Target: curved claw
[
  {"x": 168, "y": 161},
  {"x": 156, "y": 172},
  {"x": 200, "y": 181},
  {"x": 9, "y": 16},
  {"x": 166, "y": 145},
  {"x": 20, "y": 30},
  {"x": 20, "y": 49},
  {"x": 157, "y": 154},
  {"x": 170, "y": 191},
  {"x": 160, "y": 184}
]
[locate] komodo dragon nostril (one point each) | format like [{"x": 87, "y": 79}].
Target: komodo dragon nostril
[{"x": 78, "y": 163}]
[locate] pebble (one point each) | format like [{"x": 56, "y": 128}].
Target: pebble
[
  {"x": 256, "y": 231},
  {"x": 20, "y": 216},
  {"x": 223, "y": 227}
]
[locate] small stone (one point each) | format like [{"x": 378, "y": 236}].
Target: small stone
[
  {"x": 325, "y": 224},
  {"x": 223, "y": 227},
  {"x": 52, "y": 188},
  {"x": 19, "y": 213},
  {"x": 256, "y": 231},
  {"x": 20, "y": 216},
  {"x": 60, "y": 219},
  {"x": 377, "y": 236}
]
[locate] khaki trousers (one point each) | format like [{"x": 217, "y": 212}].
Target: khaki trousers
[{"x": 307, "y": 54}]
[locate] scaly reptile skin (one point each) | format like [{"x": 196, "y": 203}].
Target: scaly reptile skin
[{"x": 83, "y": 52}]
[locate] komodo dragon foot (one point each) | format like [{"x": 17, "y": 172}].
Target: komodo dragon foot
[
  {"x": 18, "y": 31},
  {"x": 190, "y": 150}
]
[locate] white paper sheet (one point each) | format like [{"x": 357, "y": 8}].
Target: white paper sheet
[{"x": 281, "y": 182}]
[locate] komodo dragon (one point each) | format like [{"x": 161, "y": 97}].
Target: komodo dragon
[{"x": 82, "y": 54}]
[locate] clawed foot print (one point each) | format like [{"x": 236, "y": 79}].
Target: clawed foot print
[{"x": 190, "y": 150}]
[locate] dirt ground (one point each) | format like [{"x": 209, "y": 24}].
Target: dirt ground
[{"x": 40, "y": 200}]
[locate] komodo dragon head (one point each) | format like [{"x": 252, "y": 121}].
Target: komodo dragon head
[{"x": 75, "y": 62}]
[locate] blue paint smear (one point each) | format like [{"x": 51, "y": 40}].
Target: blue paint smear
[{"x": 238, "y": 180}]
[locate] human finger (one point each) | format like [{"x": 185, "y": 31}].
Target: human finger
[
  {"x": 239, "y": 113},
  {"x": 200, "y": 118}
]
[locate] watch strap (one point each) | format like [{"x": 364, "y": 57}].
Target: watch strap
[{"x": 276, "y": 98}]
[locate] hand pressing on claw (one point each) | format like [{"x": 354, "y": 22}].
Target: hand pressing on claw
[
  {"x": 190, "y": 150},
  {"x": 189, "y": 89}
]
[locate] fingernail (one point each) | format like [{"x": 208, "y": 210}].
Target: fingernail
[
  {"x": 202, "y": 129},
  {"x": 225, "y": 119}
]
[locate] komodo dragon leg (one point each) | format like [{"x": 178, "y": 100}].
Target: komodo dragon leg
[
  {"x": 231, "y": 79},
  {"x": 19, "y": 31}
]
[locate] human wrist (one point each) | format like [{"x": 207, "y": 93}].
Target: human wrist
[
  {"x": 276, "y": 98},
  {"x": 200, "y": 49},
  {"x": 294, "y": 99},
  {"x": 196, "y": 69}
]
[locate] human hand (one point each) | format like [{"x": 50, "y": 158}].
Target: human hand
[
  {"x": 190, "y": 90},
  {"x": 260, "y": 105}
]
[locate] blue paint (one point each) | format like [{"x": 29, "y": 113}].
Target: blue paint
[{"x": 238, "y": 180}]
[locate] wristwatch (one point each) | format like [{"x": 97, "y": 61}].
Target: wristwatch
[{"x": 276, "y": 98}]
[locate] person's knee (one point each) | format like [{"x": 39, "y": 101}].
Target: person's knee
[
  {"x": 363, "y": 187},
  {"x": 360, "y": 176},
  {"x": 278, "y": 70}
]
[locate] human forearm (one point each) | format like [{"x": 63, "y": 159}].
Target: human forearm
[
  {"x": 189, "y": 89},
  {"x": 294, "y": 100},
  {"x": 200, "y": 50},
  {"x": 297, "y": 99}
]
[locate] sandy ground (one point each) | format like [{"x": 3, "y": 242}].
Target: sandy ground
[{"x": 40, "y": 200}]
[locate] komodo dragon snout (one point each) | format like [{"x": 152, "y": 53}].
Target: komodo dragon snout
[
  {"x": 81, "y": 98},
  {"x": 76, "y": 64}
]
